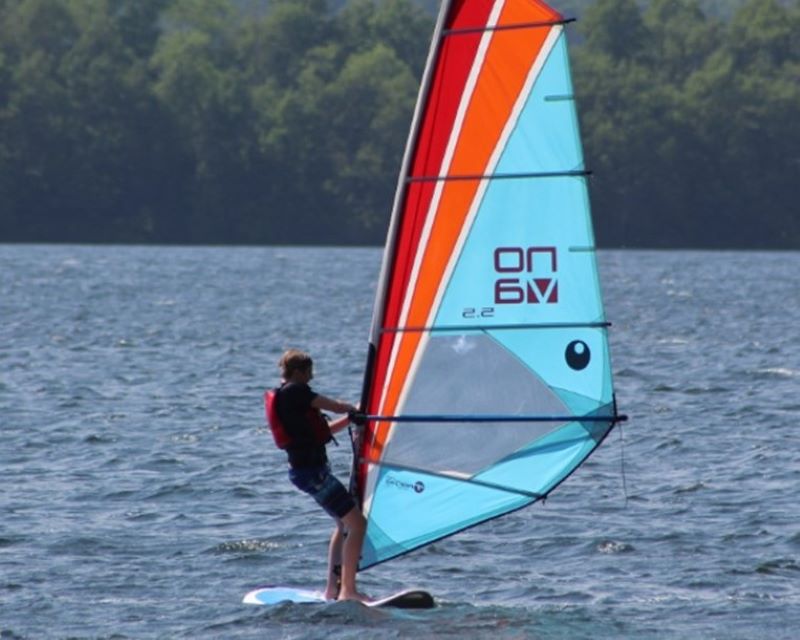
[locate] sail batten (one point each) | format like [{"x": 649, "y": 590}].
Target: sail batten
[
  {"x": 488, "y": 378},
  {"x": 581, "y": 173},
  {"x": 500, "y": 327},
  {"x": 444, "y": 418},
  {"x": 457, "y": 477},
  {"x": 507, "y": 27}
]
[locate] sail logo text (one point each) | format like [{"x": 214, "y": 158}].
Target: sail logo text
[
  {"x": 526, "y": 275},
  {"x": 417, "y": 487}
]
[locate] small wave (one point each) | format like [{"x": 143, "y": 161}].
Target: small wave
[
  {"x": 184, "y": 488},
  {"x": 613, "y": 547},
  {"x": 664, "y": 388},
  {"x": 83, "y": 546},
  {"x": 10, "y": 541},
  {"x": 160, "y": 461},
  {"x": 248, "y": 546},
  {"x": 698, "y": 391},
  {"x": 690, "y": 488},
  {"x": 120, "y": 494},
  {"x": 780, "y": 373},
  {"x": 188, "y": 438},
  {"x": 778, "y": 566},
  {"x": 679, "y": 293},
  {"x": 244, "y": 492},
  {"x": 673, "y": 341},
  {"x": 759, "y": 596},
  {"x": 669, "y": 443},
  {"x": 98, "y": 439},
  {"x": 142, "y": 516}
]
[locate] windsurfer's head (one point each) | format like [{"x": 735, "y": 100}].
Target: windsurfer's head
[{"x": 295, "y": 361}]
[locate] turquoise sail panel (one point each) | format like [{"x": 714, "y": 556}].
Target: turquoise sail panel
[
  {"x": 509, "y": 247},
  {"x": 546, "y": 136},
  {"x": 392, "y": 528},
  {"x": 555, "y": 222},
  {"x": 545, "y": 351}
]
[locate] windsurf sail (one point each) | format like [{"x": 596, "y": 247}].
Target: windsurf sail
[{"x": 488, "y": 379}]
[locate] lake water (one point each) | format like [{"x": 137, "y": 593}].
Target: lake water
[{"x": 140, "y": 496}]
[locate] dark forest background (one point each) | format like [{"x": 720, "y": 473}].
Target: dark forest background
[{"x": 284, "y": 121}]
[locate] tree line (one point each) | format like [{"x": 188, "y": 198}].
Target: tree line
[
  {"x": 196, "y": 121},
  {"x": 692, "y": 124}
]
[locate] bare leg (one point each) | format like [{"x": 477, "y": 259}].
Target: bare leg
[
  {"x": 334, "y": 562},
  {"x": 355, "y": 524}
]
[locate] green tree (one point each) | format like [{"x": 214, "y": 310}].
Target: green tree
[
  {"x": 330, "y": 135},
  {"x": 744, "y": 106},
  {"x": 7, "y": 213},
  {"x": 615, "y": 28},
  {"x": 692, "y": 137},
  {"x": 369, "y": 108},
  {"x": 198, "y": 84},
  {"x": 118, "y": 138},
  {"x": 87, "y": 138},
  {"x": 35, "y": 36},
  {"x": 284, "y": 121},
  {"x": 274, "y": 47},
  {"x": 680, "y": 38}
]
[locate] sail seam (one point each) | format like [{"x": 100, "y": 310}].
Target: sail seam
[{"x": 447, "y": 476}]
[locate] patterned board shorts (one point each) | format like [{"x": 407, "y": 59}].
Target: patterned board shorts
[{"x": 320, "y": 484}]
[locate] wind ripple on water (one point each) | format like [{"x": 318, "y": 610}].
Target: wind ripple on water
[{"x": 143, "y": 498}]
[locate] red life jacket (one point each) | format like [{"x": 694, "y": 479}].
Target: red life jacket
[{"x": 320, "y": 429}]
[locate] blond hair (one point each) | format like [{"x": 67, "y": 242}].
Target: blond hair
[{"x": 294, "y": 360}]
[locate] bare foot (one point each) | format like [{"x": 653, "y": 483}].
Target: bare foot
[
  {"x": 332, "y": 589},
  {"x": 353, "y": 595}
]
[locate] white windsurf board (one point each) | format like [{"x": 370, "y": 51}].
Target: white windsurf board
[{"x": 406, "y": 599}]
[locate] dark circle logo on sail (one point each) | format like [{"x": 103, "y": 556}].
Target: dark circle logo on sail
[{"x": 578, "y": 355}]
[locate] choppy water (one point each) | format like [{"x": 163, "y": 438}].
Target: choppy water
[{"x": 140, "y": 496}]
